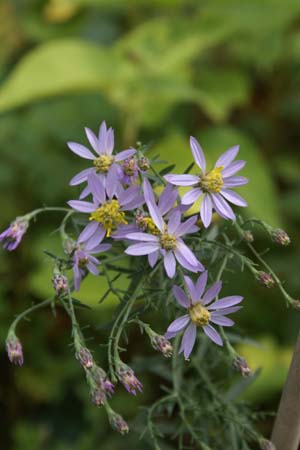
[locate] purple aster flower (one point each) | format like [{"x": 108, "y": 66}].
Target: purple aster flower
[
  {"x": 165, "y": 239},
  {"x": 201, "y": 312},
  {"x": 213, "y": 185},
  {"x": 14, "y": 349},
  {"x": 12, "y": 236},
  {"x": 129, "y": 170},
  {"x": 83, "y": 260},
  {"x": 103, "y": 159},
  {"x": 107, "y": 212},
  {"x": 127, "y": 377}
]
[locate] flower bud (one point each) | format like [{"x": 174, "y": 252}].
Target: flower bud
[
  {"x": 60, "y": 283},
  {"x": 144, "y": 163},
  {"x": 248, "y": 236},
  {"x": 241, "y": 366},
  {"x": 265, "y": 279},
  {"x": 69, "y": 246},
  {"x": 98, "y": 396},
  {"x": 14, "y": 349},
  {"x": 12, "y": 236},
  {"x": 118, "y": 423},
  {"x": 295, "y": 304},
  {"x": 265, "y": 444},
  {"x": 101, "y": 380},
  {"x": 280, "y": 237},
  {"x": 84, "y": 356},
  {"x": 161, "y": 344},
  {"x": 127, "y": 377}
]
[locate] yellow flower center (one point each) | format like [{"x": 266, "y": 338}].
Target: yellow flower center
[
  {"x": 147, "y": 224},
  {"x": 168, "y": 241},
  {"x": 103, "y": 163},
  {"x": 212, "y": 181},
  {"x": 109, "y": 215},
  {"x": 199, "y": 315}
]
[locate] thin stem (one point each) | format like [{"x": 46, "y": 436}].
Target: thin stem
[
  {"x": 29, "y": 311},
  {"x": 46, "y": 209}
]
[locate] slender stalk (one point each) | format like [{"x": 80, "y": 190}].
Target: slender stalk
[
  {"x": 46, "y": 209},
  {"x": 29, "y": 311}
]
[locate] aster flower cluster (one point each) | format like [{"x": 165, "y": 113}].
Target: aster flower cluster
[{"x": 125, "y": 205}]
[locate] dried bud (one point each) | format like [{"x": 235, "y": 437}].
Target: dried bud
[
  {"x": 241, "y": 366},
  {"x": 84, "y": 356},
  {"x": 265, "y": 279},
  {"x": 265, "y": 444},
  {"x": 69, "y": 246},
  {"x": 161, "y": 344},
  {"x": 248, "y": 236},
  {"x": 280, "y": 237},
  {"x": 144, "y": 163},
  {"x": 127, "y": 377},
  {"x": 118, "y": 423},
  {"x": 60, "y": 283},
  {"x": 102, "y": 381},
  {"x": 14, "y": 349},
  {"x": 98, "y": 396}
]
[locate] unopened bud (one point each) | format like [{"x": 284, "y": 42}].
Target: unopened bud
[
  {"x": 248, "y": 236},
  {"x": 118, "y": 423},
  {"x": 280, "y": 237},
  {"x": 161, "y": 344},
  {"x": 84, "y": 356},
  {"x": 144, "y": 163},
  {"x": 98, "y": 396},
  {"x": 295, "y": 304},
  {"x": 60, "y": 283},
  {"x": 265, "y": 444},
  {"x": 14, "y": 349},
  {"x": 69, "y": 246},
  {"x": 241, "y": 366},
  {"x": 101, "y": 380},
  {"x": 127, "y": 377},
  {"x": 265, "y": 279}
]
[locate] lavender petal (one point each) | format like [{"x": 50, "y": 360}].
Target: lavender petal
[
  {"x": 232, "y": 168},
  {"x": 222, "y": 207},
  {"x": 191, "y": 196},
  {"x": 206, "y": 210},
  {"x": 212, "y": 292},
  {"x": 180, "y": 296},
  {"x": 178, "y": 324},
  {"x": 88, "y": 231},
  {"x": 125, "y": 154},
  {"x": 226, "y": 302},
  {"x": 170, "y": 264},
  {"x": 80, "y": 150},
  {"x": 143, "y": 248},
  {"x": 191, "y": 288},
  {"x": 182, "y": 180},
  {"x": 227, "y": 157},
  {"x": 81, "y": 206},
  {"x": 233, "y": 197},
  {"x": 188, "y": 340},
  {"x": 80, "y": 177},
  {"x": 213, "y": 335},
  {"x": 222, "y": 321}
]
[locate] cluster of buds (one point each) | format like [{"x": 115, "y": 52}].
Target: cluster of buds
[
  {"x": 265, "y": 279},
  {"x": 117, "y": 422},
  {"x": 14, "y": 349},
  {"x": 280, "y": 237},
  {"x": 240, "y": 365},
  {"x": 127, "y": 377},
  {"x": 60, "y": 283},
  {"x": 100, "y": 386},
  {"x": 265, "y": 444}
]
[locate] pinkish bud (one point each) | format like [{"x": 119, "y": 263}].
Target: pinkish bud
[
  {"x": 248, "y": 236},
  {"x": 161, "y": 344},
  {"x": 14, "y": 349},
  {"x": 60, "y": 283},
  {"x": 265, "y": 279},
  {"x": 241, "y": 366},
  {"x": 98, "y": 396},
  {"x": 101, "y": 380},
  {"x": 84, "y": 356},
  {"x": 127, "y": 377},
  {"x": 280, "y": 237},
  {"x": 118, "y": 423},
  {"x": 265, "y": 444}
]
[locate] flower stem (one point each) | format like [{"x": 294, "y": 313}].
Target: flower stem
[{"x": 29, "y": 311}]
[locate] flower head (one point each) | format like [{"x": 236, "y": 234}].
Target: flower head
[
  {"x": 241, "y": 366},
  {"x": 165, "y": 238},
  {"x": 103, "y": 159},
  {"x": 265, "y": 279},
  {"x": 84, "y": 260},
  {"x": 13, "y": 235},
  {"x": 127, "y": 377},
  {"x": 14, "y": 349},
  {"x": 201, "y": 312},
  {"x": 84, "y": 356},
  {"x": 107, "y": 212},
  {"x": 117, "y": 422},
  {"x": 213, "y": 185},
  {"x": 60, "y": 283},
  {"x": 280, "y": 237}
]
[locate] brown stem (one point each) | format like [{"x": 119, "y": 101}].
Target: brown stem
[{"x": 286, "y": 432}]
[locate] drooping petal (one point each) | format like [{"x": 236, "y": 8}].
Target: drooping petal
[
  {"x": 198, "y": 153},
  {"x": 170, "y": 264},
  {"x": 232, "y": 168},
  {"x": 80, "y": 177},
  {"x": 186, "y": 264},
  {"x": 152, "y": 258},
  {"x": 77, "y": 277},
  {"x": 222, "y": 207},
  {"x": 93, "y": 140},
  {"x": 142, "y": 237},
  {"x": 235, "y": 181},
  {"x": 191, "y": 288},
  {"x": 181, "y": 296},
  {"x": 201, "y": 284},
  {"x": 125, "y": 154},
  {"x": 143, "y": 248},
  {"x": 226, "y": 302},
  {"x": 212, "y": 292},
  {"x": 227, "y": 157},
  {"x": 167, "y": 199},
  {"x": 222, "y": 321},
  {"x": 88, "y": 231},
  {"x": 81, "y": 206},
  {"x": 191, "y": 196},
  {"x": 96, "y": 188},
  {"x": 80, "y": 150},
  {"x": 182, "y": 180},
  {"x": 187, "y": 227},
  {"x": 206, "y": 210},
  {"x": 213, "y": 335},
  {"x": 178, "y": 324},
  {"x": 188, "y": 340},
  {"x": 187, "y": 253},
  {"x": 233, "y": 197}
]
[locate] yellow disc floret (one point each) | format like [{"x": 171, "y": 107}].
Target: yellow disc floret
[
  {"x": 212, "y": 181},
  {"x": 147, "y": 224},
  {"x": 109, "y": 215},
  {"x": 103, "y": 163},
  {"x": 199, "y": 315},
  {"x": 168, "y": 241}
]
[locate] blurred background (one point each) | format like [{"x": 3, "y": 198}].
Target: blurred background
[{"x": 227, "y": 72}]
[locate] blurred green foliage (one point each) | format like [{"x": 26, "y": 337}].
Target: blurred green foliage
[{"x": 227, "y": 72}]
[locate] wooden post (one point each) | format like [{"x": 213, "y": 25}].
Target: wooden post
[{"x": 286, "y": 432}]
